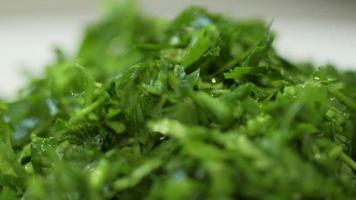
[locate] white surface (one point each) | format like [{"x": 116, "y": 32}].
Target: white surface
[
  {"x": 27, "y": 46},
  {"x": 319, "y": 30}
]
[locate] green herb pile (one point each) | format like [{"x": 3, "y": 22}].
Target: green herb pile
[{"x": 198, "y": 107}]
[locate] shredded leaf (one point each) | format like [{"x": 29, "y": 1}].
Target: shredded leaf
[{"x": 198, "y": 107}]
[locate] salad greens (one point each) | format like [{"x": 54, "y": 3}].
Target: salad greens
[{"x": 198, "y": 107}]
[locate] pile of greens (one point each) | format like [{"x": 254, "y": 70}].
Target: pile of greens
[{"x": 199, "y": 107}]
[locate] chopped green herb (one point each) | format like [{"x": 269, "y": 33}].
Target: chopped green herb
[{"x": 199, "y": 107}]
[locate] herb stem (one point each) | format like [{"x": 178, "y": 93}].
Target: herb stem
[
  {"x": 351, "y": 163},
  {"x": 85, "y": 111},
  {"x": 344, "y": 99}
]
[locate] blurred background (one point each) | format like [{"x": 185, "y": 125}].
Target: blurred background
[{"x": 321, "y": 31}]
